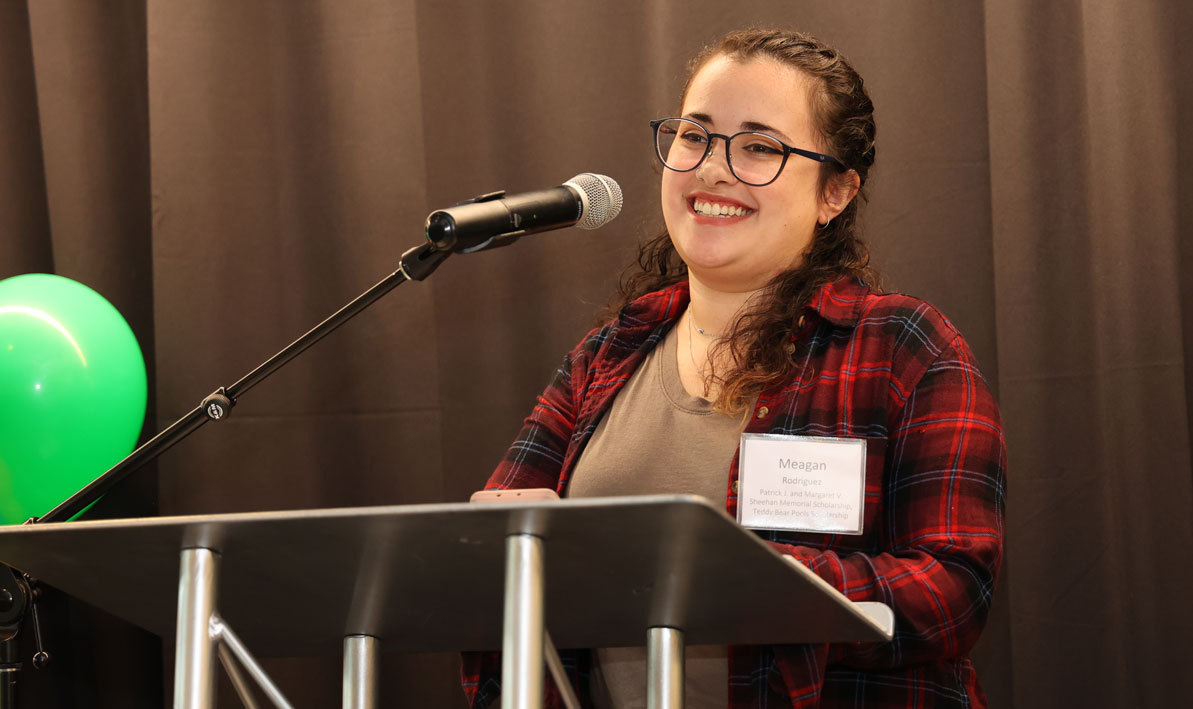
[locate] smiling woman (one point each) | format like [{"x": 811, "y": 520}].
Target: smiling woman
[
  {"x": 763, "y": 208},
  {"x": 756, "y": 312}
]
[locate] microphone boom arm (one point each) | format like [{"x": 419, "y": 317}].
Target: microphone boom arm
[
  {"x": 489, "y": 221},
  {"x": 415, "y": 265}
]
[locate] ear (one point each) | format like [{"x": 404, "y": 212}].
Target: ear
[{"x": 839, "y": 190}]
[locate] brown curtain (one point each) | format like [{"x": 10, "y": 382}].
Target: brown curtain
[
  {"x": 228, "y": 173},
  {"x": 1092, "y": 286}
]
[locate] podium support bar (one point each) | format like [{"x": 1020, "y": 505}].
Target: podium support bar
[
  {"x": 664, "y": 668},
  {"x": 522, "y": 636},
  {"x": 360, "y": 672},
  {"x": 239, "y": 683},
  {"x": 201, "y": 632},
  {"x": 221, "y": 633},
  {"x": 194, "y": 658}
]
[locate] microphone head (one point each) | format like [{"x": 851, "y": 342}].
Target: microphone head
[{"x": 600, "y": 197}]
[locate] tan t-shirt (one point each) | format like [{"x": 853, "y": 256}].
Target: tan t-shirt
[{"x": 658, "y": 439}]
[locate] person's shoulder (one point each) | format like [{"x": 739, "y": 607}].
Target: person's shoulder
[
  {"x": 907, "y": 328},
  {"x": 645, "y": 317},
  {"x": 634, "y": 324},
  {"x": 903, "y": 313},
  {"x": 907, "y": 335}
]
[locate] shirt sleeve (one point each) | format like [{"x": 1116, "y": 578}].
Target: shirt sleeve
[
  {"x": 535, "y": 458},
  {"x": 942, "y": 525}
]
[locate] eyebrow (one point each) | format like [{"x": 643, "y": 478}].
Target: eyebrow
[{"x": 754, "y": 126}]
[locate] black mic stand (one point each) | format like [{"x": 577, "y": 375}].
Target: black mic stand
[{"x": 19, "y": 592}]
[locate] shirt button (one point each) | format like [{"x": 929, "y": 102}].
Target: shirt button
[
  {"x": 800, "y": 322},
  {"x": 762, "y": 412}
]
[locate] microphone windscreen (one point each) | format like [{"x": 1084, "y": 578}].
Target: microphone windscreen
[{"x": 601, "y": 197}]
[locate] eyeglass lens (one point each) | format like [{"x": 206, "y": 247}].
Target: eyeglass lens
[{"x": 754, "y": 158}]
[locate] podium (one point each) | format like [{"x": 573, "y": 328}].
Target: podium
[{"x": 664, "y": 571}]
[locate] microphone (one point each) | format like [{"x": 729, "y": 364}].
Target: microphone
[{"x": 588, "y": 201}]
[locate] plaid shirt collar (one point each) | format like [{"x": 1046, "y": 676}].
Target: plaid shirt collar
[{"x": 841, "y": 301}]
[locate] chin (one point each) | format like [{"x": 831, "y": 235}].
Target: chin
[
  {"x": 702, "y": 255},
  {"x": 711, "y": 267}
]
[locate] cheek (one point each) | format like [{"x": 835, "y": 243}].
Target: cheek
[
  {"x": 671, "y": 185},
  {"x": 800, "y": 199},
  {"x": 671, "y": 193}
]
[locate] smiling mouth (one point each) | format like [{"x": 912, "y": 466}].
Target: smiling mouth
[{"x": 719, "y": 209}]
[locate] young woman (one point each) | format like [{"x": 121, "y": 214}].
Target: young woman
[{"x": 757, "y": 311}]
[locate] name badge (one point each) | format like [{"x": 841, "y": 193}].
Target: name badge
[{"x": 801, "y": 483}]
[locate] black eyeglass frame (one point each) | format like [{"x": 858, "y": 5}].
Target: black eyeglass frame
[{"x": 787, "y": 150}]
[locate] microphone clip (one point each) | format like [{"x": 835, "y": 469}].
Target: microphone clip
[{"x": 488, "y": 197}]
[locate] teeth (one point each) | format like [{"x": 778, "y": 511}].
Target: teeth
[{"x": 716, "y": 209}]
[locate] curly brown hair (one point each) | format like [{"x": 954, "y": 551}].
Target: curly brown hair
[{"x": 843, "y": 116}]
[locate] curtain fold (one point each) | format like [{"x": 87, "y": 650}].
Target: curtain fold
[
  {"x": 25, "y": 245},
  {"x": 74, "y": 200},
  {"x": 229, "y": 173},
  {"x": 1084, "y": 177}
]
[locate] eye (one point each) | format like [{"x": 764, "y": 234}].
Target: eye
[
  {"x": 763, "y": 147},
  {"x": 694, "y": 136}
]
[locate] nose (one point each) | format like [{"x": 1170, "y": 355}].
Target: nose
[{"x": 715, "y": 169}]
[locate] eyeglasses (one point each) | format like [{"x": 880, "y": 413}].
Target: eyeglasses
[{"x": 754, "y": 158}]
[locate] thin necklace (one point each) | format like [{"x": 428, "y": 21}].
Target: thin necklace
[
  {"x": 692, "y": 355},
  {"x": 692, "y": 323}
]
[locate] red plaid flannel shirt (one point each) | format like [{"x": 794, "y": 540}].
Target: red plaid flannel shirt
[{"x": 889, "y": 368}]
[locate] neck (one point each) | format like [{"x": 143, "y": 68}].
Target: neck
[
  {"x": 700, "y": 360},
  {"x": 715, "y": 310}
]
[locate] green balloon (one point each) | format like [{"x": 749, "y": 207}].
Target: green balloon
[{"x": 72, "y": 391}]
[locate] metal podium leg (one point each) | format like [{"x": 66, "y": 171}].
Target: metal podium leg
[
  {"x": 522, "y": 632},
  {"x": 194, "y": 658},
  {"x": 664, "y": 668},
  {"x": 239, "y": 683},
  {"x": 220, "y": 632},
  {"x": 360, "y": 672},
  {"x": 562, "y": 683}
]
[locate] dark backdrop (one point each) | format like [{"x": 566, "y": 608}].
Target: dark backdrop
[{"x": 229, "y": 173}]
